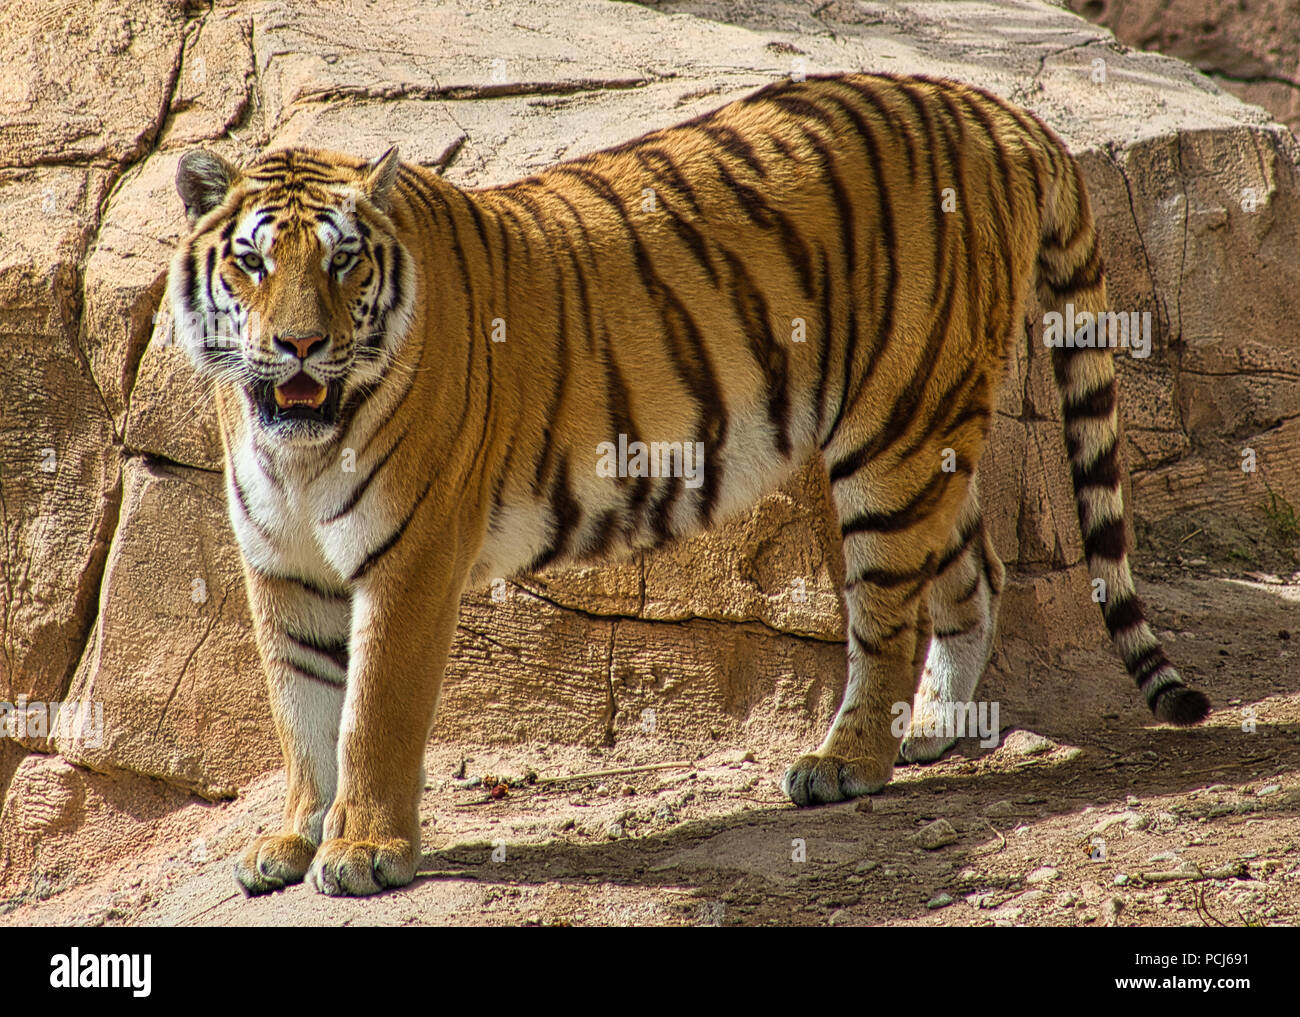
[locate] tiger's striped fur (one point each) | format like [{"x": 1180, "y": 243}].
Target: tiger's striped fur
[{"x": 381, "y": 290}]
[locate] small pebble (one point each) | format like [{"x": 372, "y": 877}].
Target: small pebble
[
  {"x": 1026, "y": 743},
  {"x": 935, "y": 835}
]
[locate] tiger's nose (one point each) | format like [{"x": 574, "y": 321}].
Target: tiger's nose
[{"x": 301, "y": 348}]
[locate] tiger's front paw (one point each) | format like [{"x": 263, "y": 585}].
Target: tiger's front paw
[
  {"x": 272, "y": 863},
  {"x": 816, "y": 780},
  {"x": 356, "y": 868}
]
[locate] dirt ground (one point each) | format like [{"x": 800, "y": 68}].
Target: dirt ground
[{"x": 1089, "y": 815}]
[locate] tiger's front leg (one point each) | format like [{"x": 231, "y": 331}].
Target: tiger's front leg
[
  {"x": 405, "y": 604},
  {"x": 302, "y": 629}
]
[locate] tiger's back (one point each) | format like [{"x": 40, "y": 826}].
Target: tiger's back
[
  {"x": 755, "y": 273},
  {"x": 616, "y": 352}
]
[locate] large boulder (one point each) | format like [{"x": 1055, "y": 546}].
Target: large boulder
[{"x": 1250, "y": 47}]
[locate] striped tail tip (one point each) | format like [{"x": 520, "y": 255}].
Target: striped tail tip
[{"x": 1177, "y": 704}]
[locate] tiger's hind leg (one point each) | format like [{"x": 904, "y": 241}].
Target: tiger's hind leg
[
  {"x": 895, "y": 525},
  {"x": 963, "y": 607}
]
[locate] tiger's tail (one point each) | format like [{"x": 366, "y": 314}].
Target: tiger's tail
[{"x": 1071, "y": 282}]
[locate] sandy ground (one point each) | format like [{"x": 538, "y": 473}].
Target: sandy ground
[{"x": 1089, "y": 815}]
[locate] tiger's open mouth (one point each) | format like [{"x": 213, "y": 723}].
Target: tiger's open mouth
[{"x": 302, "y": 397}]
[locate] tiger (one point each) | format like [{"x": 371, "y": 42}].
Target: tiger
[{"x": 419, "y": 386}]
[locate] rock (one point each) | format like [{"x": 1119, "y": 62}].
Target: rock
[
  {"x": 1043, "y": 874},
  {"x": 935, "y": 835},
  {"x": 183, "y": 694},
  {"x": 1026, "y": 743},
  {"x": 1130, "y": 819},
  {"x": 1249, "y": 48},
  {"x": 938, "y": 901},
  {"x": 60, "y": 821}
]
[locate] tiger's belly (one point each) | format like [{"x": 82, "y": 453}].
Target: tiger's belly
[{"x": 617, "y": 496}]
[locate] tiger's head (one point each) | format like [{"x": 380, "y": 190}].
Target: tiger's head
[{"x": 292, "y": 285}]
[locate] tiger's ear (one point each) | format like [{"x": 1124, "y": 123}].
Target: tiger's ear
[
  {"x": 203, "y": 179},
  {"x": 381, "y": 174}
]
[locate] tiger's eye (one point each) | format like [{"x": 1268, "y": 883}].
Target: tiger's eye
[
  {"x": 342, "y": 259},
  {"x": 251, "y": 261}
]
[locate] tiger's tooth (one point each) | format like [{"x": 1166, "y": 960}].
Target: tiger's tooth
[
  {"x": 280, "y": 400},
  {"x": 319, "y": 399}
]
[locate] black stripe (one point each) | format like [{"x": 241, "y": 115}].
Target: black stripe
[
  {"x": 1150, "y": 661},
  {"x": 305, "y": 584},
  {"x": 1107, "y": 541},
  {"x": 543, "y": 466},
  {"x": 1099, "y": 403},
  {"x": 566, "y": 514},
  {"x": 242, "y": 499},
  {"x": 303, "y": 672},
  {"x": 211, "y": 270},
  {"x": 687, "y": 352},
  {"x": 735, "y": 145},
  {"x": 938, "y": 217},
  {"x": 862, "y": 87},
  {"x": 620, "y": 411},
  {"x": 667, "y": 169},
  {"x": 850, "y": 351},
  {"x": 769, "y": 216},
  {"x": 770, "y": 355},
  {"x": 917, "y": 509},
  {"x": 1085, "y": 276},
  {"x": 1104, "y": 472},
  {"x": 966, "y": 534},
  {"x": 956, "y": 405},
  {"x": 335, "y": 649},
  {"x": 373, "y": 557},
  {"x": 970, "y": 590},
  {"x": 1123, "y": 614},
  {"x": 875, "y": 647},
  {"x": 603, "y": 537},
  {"x": 360, "y": 488},
  {"x": 953, "y": 633},
  {"x": 827, "y": 337},
  {"x": 887, "y": 579}
]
